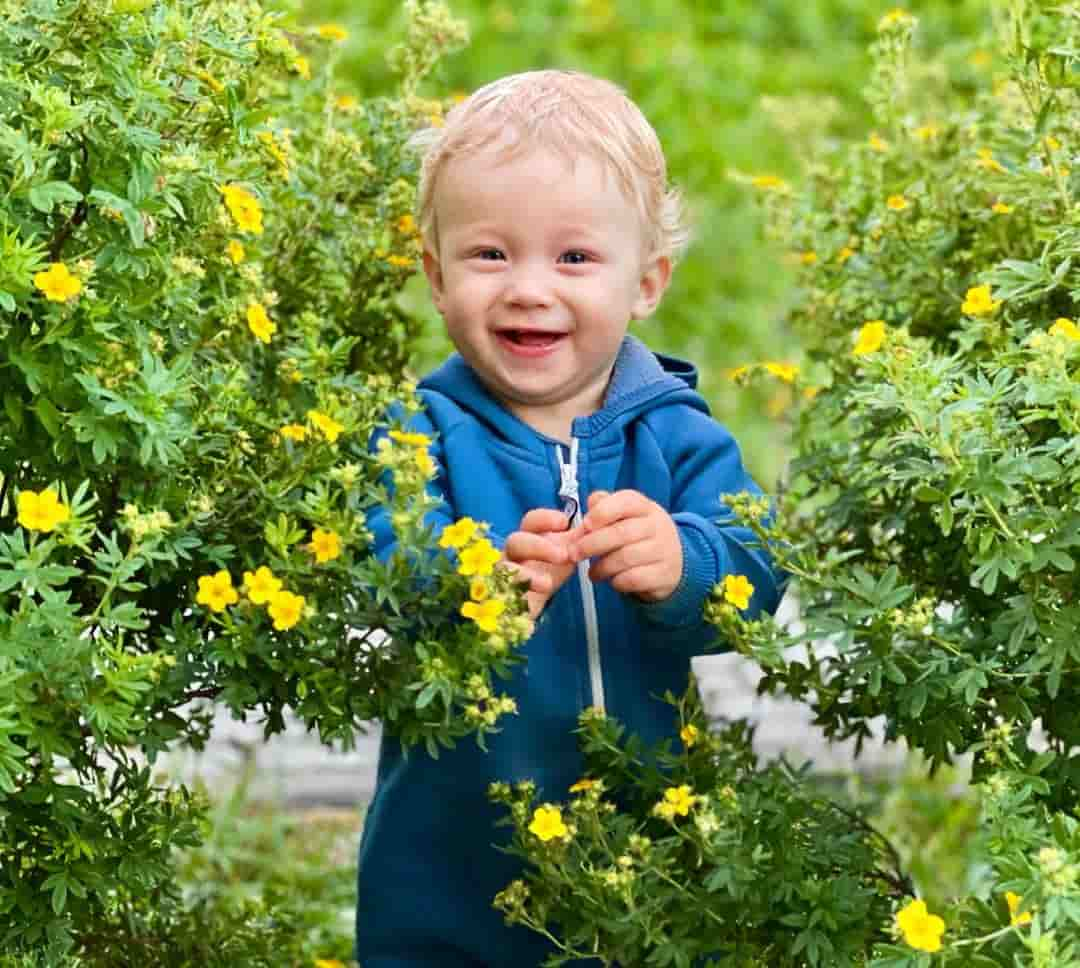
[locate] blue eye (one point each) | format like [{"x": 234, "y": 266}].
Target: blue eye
[{"x": 574, "y": 257}]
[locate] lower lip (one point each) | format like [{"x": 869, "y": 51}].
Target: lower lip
[{"x": 530, "y": 351}]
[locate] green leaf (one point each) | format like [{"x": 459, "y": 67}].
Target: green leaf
[
  {"x": 48, "y": 415},
  {"x": 7, "y": 301},
  {"x": 47, "y": 196}
]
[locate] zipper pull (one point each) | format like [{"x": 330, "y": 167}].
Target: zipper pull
[{"x": 568, "y": 483}]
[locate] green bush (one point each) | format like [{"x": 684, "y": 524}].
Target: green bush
[
  {"x": 932, "y": 519},
  {"x": 203, "y": 235}
]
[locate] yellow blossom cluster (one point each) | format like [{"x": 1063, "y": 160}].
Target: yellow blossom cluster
[
  {"x": 326, "y": 425},
  {"x": 1017, "y": 918},
  {"x": 419, "y": 444},
  {"x": 325, "y": 545},
  {"x": 41, "y": 510},
  {"x": 57, "y": 282},
  {"x": 689, "y": 734},
  {"x": 262, "y": 587},
  {"x": 782, "y": 371}
]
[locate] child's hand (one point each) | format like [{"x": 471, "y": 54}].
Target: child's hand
[
  {"x": 637, "y": 544},
  {"x": 541, "y": 553}
]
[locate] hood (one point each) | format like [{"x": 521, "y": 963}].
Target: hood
[{"x": 640, "y": 381}]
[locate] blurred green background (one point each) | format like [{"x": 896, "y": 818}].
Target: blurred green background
[{"x": 730, "y": 86}]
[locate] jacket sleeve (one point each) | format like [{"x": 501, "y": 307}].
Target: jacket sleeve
[{"x": 705, "y": 464}]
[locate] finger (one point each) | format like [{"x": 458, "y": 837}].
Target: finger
[
  {"x": 638, "y": 555},
  {"x": 532, "y": 573},
  {"x": 611, "y": 507},
  {"x": 623, "y": 532},
  {"x": 523, "y": 545},
  {"x": 544, "y": 519},
  {"x": 595, "y": 497},
  {"x": 638, "y": 581}
]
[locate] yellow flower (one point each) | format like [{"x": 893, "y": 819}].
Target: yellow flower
[
  {"x": 1052, "y": 143},
  {"x": 328, "y": 963},
  {"x": 808, "y": 258},
  {"x": 921, "y": 929},
  {"x": 547, "y": 823},
  {"x": 294, "y": 432},
  {"x": 42, "y": 510},
  {"x": 326, "y": 425},
  {"x": 584, "y": 785},
  {"x": 346, "y": 102},
  {"x": 896, "y": 203},
  {"x": 871, "y": 336},
  {"x": 478, "y": 590},
  {"x": 977, "y": 302},
  {"x": 400, "y": 261},
  {"x": 244, "y": 208},
  {"x": 216, "y": 591},
  {"x": 769, "y": 183},
  {"x": 1000, "y": 208},
  {"x": 58, "y": 284},
  {"x": 286, "y": 609},
  {"x": 409, "y": 439},
  {"x": 425, "y": 463},
  {"x": 485, "y": 614},
  {"x": 1066, "y": 328},
  {"x": 877, "y": 143},
  {"x": 479, "y": 558},
  {"x": 844, "y": 254},
  {"x": 459, "y": 534},
  {"x": 260, "y": 323},
  {"x": 261, "y": 585},
  {"x": 302, "y": 66},
  {"x": 676, "y": 803},
  {"x": 979, "y": 58},
  {"x": 737, "y": 590},
  {"x": 737, "y": 373},
  {"x": 987, "y": 161},
  {"x": 406, "y": 225},
  {"x": 927, "y": 132},
  {"x": 333, "y": 32},
  {"x": 325, "y": 545},
  {"x": 1016, "y": 916},
  {"x": 898, "y": 15},
  {"x": 689, "y": 735},
  {"x": 235, "y": 251},
  {"x": 782, "y": 371}
]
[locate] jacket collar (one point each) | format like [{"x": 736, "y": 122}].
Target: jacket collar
[{"x": 639, "y": 381}]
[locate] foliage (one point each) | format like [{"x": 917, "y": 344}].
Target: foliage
[
  {"x": 932, "y": 518},
  {"x": 203, "y": 234},
  {"x": 264, "y": 889},
  {"x": 669, "y": 857}
]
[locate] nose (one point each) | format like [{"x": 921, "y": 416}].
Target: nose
[{"x": 527, "y": 287}]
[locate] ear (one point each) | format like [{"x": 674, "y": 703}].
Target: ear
[
  {"x": 654, "y": 281},
  {"x": 434, "y": 274}
]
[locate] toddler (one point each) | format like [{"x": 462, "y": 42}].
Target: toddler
[{"x": 548, "y": 225}]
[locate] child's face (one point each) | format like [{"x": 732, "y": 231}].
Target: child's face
[{"x": 540, "y": 269}]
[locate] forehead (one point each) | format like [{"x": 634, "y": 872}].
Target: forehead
[{"x": 534, "y": 182}]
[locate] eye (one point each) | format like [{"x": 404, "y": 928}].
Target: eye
[
  {"x": 490, "y": 255},
  {"x": 574, "y": 257}
]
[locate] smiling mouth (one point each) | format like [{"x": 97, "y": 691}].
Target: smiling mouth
[{"x": 527, "y": 337}]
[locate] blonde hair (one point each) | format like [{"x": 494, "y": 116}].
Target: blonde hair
[{"x": 568, "y": 112}]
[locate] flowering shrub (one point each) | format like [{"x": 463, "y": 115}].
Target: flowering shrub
[
  {"x": 202, "y": 235},
  {"x": 932, "y": 521},
  {"x": 664, "y": 857}
]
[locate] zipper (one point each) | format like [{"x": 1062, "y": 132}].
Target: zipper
[{"x": 569, "y": 492}]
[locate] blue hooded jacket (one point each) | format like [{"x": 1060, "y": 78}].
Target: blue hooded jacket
[{"x": 428, "y": 867}]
